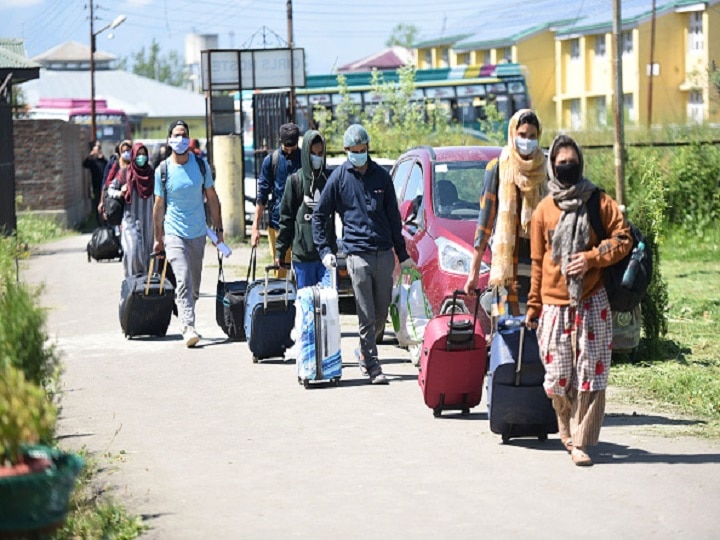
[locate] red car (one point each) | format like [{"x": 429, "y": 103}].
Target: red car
[{"x": 438, "y": 191}]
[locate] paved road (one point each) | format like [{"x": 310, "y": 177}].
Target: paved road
[{"x": 217, "y": 447}]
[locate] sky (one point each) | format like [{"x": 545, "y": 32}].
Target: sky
[{"x": 332, "y": 32}]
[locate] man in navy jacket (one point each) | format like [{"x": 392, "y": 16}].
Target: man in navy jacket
[
  {"x": 273, "y": 176},
  {"x": 362, "y": 194}
]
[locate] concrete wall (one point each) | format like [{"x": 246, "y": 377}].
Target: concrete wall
[{"x": 49, "y": 177}]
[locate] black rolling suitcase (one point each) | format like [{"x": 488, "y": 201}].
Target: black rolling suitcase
[
  {"x": 230, "y": 301},
  {"x": 104, "y": 245},
  {"x": 270, "y": 316},
  {"x": 517, "y": 403},
  {"x": 146, "y": 303}
]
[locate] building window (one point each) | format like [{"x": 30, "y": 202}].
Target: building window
[
  {"x": 463, "y": 59},
  {"x": 695, "y": 33},
  {"x": 575, "y": 114},
  {"x": 504, "y": 55},
  {"x": 428, "y": 58},
  {"x": 445, "y": 58},
  {"x": 629, "y": 107},
  {"x": 695, "y": 107},
  {"x": 600, "y": 46},
  {"x": 487, "y": 57},
  {"x": 574, "y": 49},
  {"x": 627, "y": 42},
  {"x": 601, "y": 111}
]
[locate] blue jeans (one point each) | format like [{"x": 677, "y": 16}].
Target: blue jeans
[{"x": 311, "y": 273}]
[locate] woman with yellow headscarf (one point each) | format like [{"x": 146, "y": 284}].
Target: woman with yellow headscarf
[{"x": 514, "y": 184}]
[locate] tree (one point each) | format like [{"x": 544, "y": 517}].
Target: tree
[
  {"x": 166, "y": 68},
  {"x": 403, "y": 35}
]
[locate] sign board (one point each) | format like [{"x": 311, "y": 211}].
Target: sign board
[{"x": 233, "y": 69}]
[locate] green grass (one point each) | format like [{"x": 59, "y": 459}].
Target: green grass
[
  {"x": 33, "y": 229},
  {"x": 686, "y": 378},
  {"x": 94, "y": 513}
]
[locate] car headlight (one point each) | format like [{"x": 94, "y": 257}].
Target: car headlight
[{"x": 455, "y": 259}]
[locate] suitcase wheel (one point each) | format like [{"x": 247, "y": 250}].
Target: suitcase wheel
[
  {"x": 306, "y": 383},
  {"x": 542, "y": 437},
  {"x": 255, "y": 359},
  {"x": 299, "y": 380},
  {"x": 505, "y": 438},
  {"x": 336, "y": 382},
  {"x": 465, "y": 412},
  {"x": 437, "y": 411}
]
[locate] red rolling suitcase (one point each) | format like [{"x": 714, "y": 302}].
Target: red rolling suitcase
[{"x": 453, "y": 360}]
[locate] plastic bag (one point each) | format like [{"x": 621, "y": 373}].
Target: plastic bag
[
  {"x": 419, "y": 312},
  {"x": 399, "y": 307}
]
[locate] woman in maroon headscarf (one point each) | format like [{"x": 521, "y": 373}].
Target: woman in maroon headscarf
[{"x": 137, "y": 225}]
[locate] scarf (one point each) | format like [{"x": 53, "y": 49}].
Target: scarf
[
  {"x": 527, "y": 175},
  {"x": 572, "y": 233},
  {"x": 141, "y": 179}
]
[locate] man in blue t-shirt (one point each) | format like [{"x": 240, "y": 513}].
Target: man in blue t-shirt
[{"x": 180, "y": 223}]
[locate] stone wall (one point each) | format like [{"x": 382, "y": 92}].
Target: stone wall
[{"x": 49, "y": 176}]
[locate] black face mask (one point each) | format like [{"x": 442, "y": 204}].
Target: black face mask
[{"x": 568, "y": 173}]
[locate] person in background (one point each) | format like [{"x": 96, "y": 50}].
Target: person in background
[
  {"x": 159, "y": 155},
  {"x": 137, "y": 229},
  {"x": 271, "y": 184},
  {"x": 114, "y": 169},
  {"x": 95, "y": 162},
  {"x": 301, "y": 194},
  {"x": 514, "y": 185},
  {"x": 180, "y": 222},
  {"x": 362, "y": 194},
  {"x": 196, "y": 148},
  {"x": 567, "y": 293}
]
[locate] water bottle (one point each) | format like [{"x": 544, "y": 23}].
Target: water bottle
[{"x": 631, "y": 271}]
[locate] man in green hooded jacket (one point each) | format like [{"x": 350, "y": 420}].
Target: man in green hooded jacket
[{"x": 301, "y": 194}]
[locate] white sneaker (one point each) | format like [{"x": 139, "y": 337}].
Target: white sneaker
[{"x": 190, "y": 336}]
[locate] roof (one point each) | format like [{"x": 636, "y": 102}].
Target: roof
[
  {"x": 134, "y": 94},
  {"x": 13, "y": 59},
  {"x": 505, "y": 25},
  {"x": 390, "y": 58},
  {"x": 72, "y": 51}
]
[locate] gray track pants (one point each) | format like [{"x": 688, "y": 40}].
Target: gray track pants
[
  {"x": 371, "y": 275},
  {"x": 186, "y": 257}
]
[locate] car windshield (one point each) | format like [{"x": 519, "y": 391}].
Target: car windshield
[{"x": 456, "y": 189}]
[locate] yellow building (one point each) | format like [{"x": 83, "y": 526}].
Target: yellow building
[{"x": 569, "y": 61}]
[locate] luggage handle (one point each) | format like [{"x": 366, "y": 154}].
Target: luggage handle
[
  {"x": 455, "y": 295},
  {"x": 154, "y": 256},
  {"x": 513, "y": 323},
  {"x": 251, "y": 266},
  {"x": 269, "y": 267}
]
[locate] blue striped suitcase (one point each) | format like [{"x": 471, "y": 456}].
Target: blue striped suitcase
[
  {"x": 269, "y": 316},
  {"x": 317, "y": 325},
  {"x": 517, "y": 403}
]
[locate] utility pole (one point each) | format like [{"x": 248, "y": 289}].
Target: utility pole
[
  {"x": 291, "y": 109},
  {"x": 652, "y": 67},
  {"x": 93, "y": 127},
  {"x": 619, "y": 146}
]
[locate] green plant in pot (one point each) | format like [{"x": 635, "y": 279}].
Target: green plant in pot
[{"x": 35, "y": 480}]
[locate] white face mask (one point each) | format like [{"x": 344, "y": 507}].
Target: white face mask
[
  {"x": 526, "y": 146},
  {"x": 316, "y": 161}
]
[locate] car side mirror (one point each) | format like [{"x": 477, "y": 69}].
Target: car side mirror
[{"x": 409, "y": 210}]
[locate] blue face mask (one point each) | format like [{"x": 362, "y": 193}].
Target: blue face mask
[
  {"x": 179, "y": 144},
  {"x": 316, "y": 161},
  {"x": 125, "y": 155},
  {"x": 140, "y": 160},
  {"x": 358, "y": 159},
  {"x": 525, "y": 146}
]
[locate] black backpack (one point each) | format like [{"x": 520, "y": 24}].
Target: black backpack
[{"x": 622, "y": 298}]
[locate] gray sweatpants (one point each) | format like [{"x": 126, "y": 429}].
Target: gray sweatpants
[
  {"x": 371, "y": 275},
  {"x": 186, "y": 257}
]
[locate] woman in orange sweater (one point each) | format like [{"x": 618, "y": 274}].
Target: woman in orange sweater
[{"x": 567, "y": 293}]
